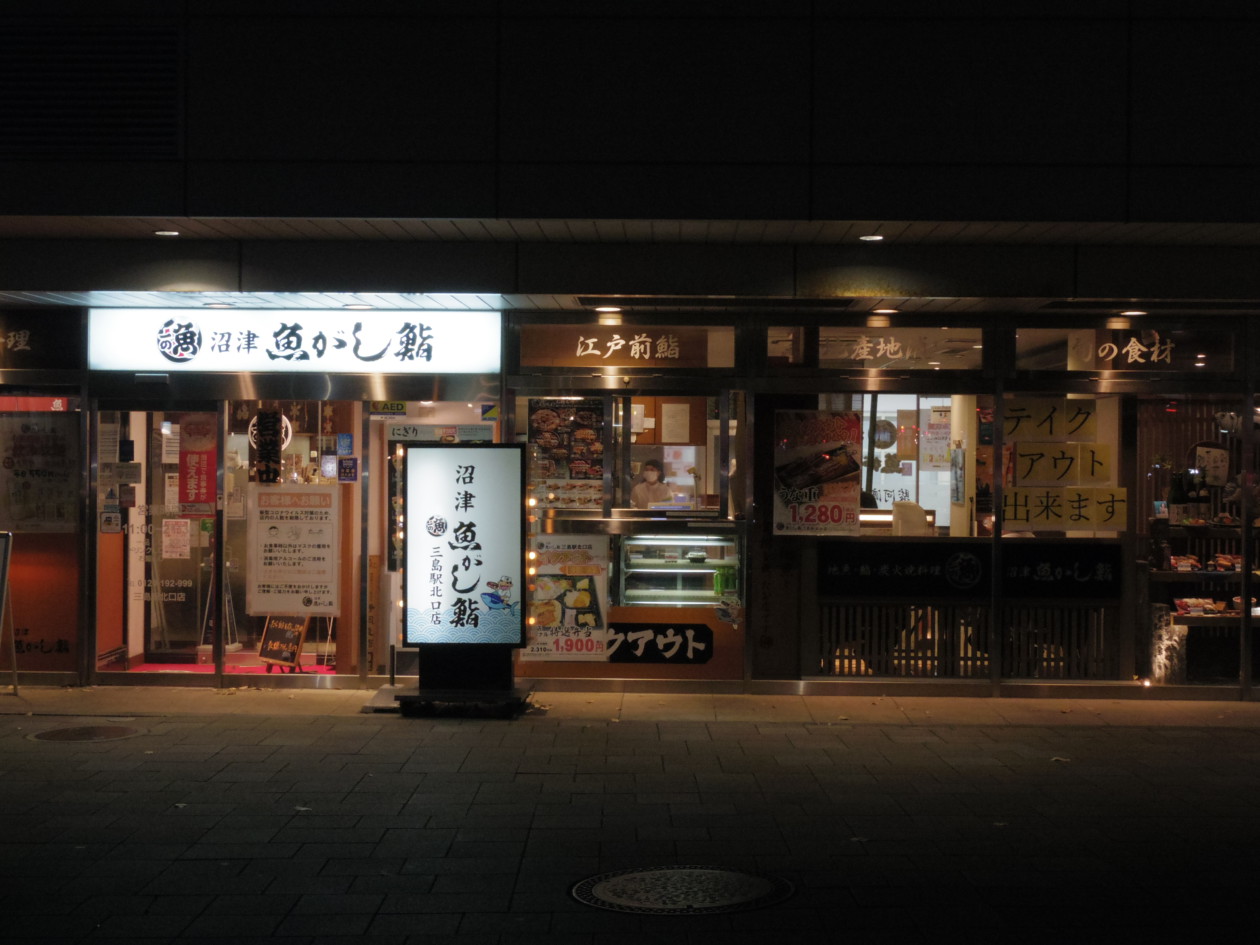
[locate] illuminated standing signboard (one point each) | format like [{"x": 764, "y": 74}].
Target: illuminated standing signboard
[
  {"x": 464, "y": 514},
  {"x": 293, "y": 341}
]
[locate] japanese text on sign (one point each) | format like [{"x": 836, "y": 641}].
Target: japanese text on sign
[
  {"x": 308, "y": 340},
  {"x": 1135, "y": 352},
  {"x": 464, "y": 524},
  {"x": 1070, "y": 509}
]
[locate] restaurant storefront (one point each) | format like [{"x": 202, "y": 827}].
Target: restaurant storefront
[
  {"x": 713, "y": 500},
  {"x": 240, "y": 504},
  {"x": 1021, "y": 527}
]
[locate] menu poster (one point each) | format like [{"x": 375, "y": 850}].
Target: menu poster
[
  {"x": 176, "y": 538},
  {"x": 817, "y": 467},
  {"x": 39, "y": 472},
  {"x": 464, "y": 545},
  {"x": 567, "y": 436},
  {"x": 568, "y": 600},
  {"x": 934, "y": 441},
  {"x": 294, "y": 540}
]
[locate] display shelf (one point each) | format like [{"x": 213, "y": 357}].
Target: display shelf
[
  {"x": 656, "y": 570},
  {"x": 1185, "y": 577},
  {"x": 666, "y": 564},
  {"x": 1206, "y": 620}
]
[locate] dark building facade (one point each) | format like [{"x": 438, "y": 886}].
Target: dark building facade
[{"x": 1066, "y": 229}]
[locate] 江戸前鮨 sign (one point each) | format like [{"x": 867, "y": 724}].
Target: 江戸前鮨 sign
[{"x": 464, "y": 562}]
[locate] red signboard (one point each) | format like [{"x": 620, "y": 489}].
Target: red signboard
[{"x": 38, "y": 404}]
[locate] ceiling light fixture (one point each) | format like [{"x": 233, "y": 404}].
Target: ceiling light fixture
[
  {"x": 608, "y": 308},
  {"x": 166, "y": 232},
  {"x": 884, "y": 311},
  {"x": 1133, "y": 312},
  {"x": 358, "y": 306},
  {"x": 871, "y": 238}
]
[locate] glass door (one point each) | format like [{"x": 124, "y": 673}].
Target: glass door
[{"x": 157, "y": 485}]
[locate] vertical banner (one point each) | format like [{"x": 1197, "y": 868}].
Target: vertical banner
[
  {"x": 266, "y": 436},
  {"x": 568, "y": 603},
  {"x": 293, "y": 551},
  {"x": 817, "y": 466},
  {"x": 464, "y": 545},
  {"x": 197, "y": 463}
]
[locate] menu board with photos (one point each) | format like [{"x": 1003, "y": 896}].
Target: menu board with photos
[
  {"x": 567, "y": 452},
  {"x": 569, "y": 599}
]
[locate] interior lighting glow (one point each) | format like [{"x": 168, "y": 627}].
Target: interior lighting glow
[
  {"x": 871, "y": 238},
  {"x": 1133, "y": 312},
  {"x": 358, "y": 307},
  {"x": 166, "y": 233},
  {"x": 608, "y": 308},
  {"x": 884, "y": 311}
]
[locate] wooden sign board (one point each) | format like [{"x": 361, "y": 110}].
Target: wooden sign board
[{"x": 282, "y": 641}]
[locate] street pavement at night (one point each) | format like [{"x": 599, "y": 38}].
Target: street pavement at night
[{"x": 296, "y": 817}]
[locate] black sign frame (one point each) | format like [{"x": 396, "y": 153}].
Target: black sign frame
[{"x": 285, "y": 637}]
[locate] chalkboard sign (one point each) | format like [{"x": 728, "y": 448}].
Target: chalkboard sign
[
  {"x": 282, "y": 641},
  {"x": 6, "y": 549}
]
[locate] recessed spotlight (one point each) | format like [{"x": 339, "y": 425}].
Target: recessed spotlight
[
  {"x": 884, "y": 311},
  {"x": 608, "y": 308},
  {"x": 871, "y": 238},
  {"x": 166, "y": 232},
  {"x": 1199, "y": 364},
  {"x": 1133, "y": 312},
  {"x": 358, "y": 306}
]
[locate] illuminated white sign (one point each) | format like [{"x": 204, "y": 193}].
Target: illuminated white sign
[
  {"x": 465, "y": 531},
  {"x": 296, "y": 340}
]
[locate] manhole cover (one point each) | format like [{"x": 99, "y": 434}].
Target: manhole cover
[
  {"x": 86, "y": 733},
  {"x": 681, "y": 890}
]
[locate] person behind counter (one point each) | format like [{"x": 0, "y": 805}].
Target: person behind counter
[{"x": 651, "y": 488}]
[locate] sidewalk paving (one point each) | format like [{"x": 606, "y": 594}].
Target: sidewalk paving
[{"x": 295, "y": 817}]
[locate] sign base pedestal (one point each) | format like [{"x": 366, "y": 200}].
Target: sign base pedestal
[
  {"x": 463, "y": 703},
  {"x": 464, "y": 679}
]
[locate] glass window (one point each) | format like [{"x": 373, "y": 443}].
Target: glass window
[
  {"x": 1061, "y": 465},
  {"x": 41, "y": 489}
]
